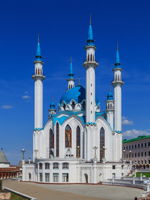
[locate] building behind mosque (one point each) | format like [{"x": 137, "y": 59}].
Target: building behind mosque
[{"x": 80, "y": 143}]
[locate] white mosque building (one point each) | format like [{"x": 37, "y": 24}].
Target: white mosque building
[{"x": 80, "y": 143}]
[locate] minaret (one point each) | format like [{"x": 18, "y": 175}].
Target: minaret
[
  {"x": 38, "y": 89},
  {"x": 71, "y": 79},
  {"x": 110, "y": 108},
  {"x": 90, "y": 64},
  {"x": 52, "y": 109},
  {"x": 117, "y": 84}
]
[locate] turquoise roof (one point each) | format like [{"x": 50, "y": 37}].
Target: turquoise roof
[
  {"x": 110, "y": 96},
  {"x": 61, "y": 119},
  {"x": 77, "y": 93},
  {"x": 140, "y": 137},
  {"x": 117, "y": 63},
  {"x": 52, "y": 105},
  {"x": 90, "y": 40},
  {"x": 38, "y": 53},
  {"x": 71, "y": 75}
]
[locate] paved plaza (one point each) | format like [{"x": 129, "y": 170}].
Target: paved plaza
[{"x": 73, "y": 192}]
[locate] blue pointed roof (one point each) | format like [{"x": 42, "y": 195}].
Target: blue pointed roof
[
  {"x": 117, "y": 63},
  {"x": 71, "y": 74},
  {"x": 90, "y": 40},
  {"x": 52, "y": 105},
  {"x": 38, "y": 52},
  {"x": 110, "y": 96}
]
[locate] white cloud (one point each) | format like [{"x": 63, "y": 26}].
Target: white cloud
[
  {"x": 6, "y": 107},
  {"x": 135, "y": 133},
  {"x": 26, "y": 92},
  {"x": 125, "y": 121},
  {"x": 26, "y": 97}
]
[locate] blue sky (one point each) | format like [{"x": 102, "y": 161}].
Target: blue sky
[{"x": 63, "y": 27}]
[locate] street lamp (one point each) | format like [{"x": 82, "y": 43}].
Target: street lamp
[
  {"x": 78, "y": 149},
  {"x": 23, "y": 151}
]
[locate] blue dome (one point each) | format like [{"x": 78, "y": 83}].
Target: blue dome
[
  {"x": 52, "y": 105},
  {"x": 77, "y": 93},
  {"x": 110, "y": 96}
]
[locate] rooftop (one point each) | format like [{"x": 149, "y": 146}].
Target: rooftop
[{"x": 140, "y": 137}]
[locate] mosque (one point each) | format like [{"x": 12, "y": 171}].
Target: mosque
[{"x": 80, "y": 143}]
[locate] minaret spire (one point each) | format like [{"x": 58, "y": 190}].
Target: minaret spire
[
  {"x": 117, "y": 63},
  {"x": 90, "y": 40},
  {"x": 38, "y": 51},
  {"x": 71, "y": 79}
]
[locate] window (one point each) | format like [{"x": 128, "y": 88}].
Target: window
[
  {"x": 91, "y": 57},
  {"x": 46, "y": 165},
  {"x": 83, "y": 105},
  {"x": 91, "y": 112},
  {"x": 145, "y": 153},
  {"x": 91, "y": 85},
  {"x": 138, "y": 154},
  {"x": 68, "y": 136},
  {"x": 55, "y": 165},
  {"x": 149, "y": 153},
  {"x": 91, "y": 103},
  {"x": 141, "y": 153},
  {"x": 129, "y": 147},
  {"x": 73, "y": 105},
  {"x": 138, "y": 162},
  {"x": 135, "y": 146},
  {"x": 126, "y": 155},
  {"x": 102, "y": 142},
  {"x": 55, "y": 177},
  {"x": 142, "y": 161},
  {"x": 145, "y": 161},
  {"x": 40, "y": 165},
  {"x": 41, "y": 179},
  {"x": 132, "y": 146},
  {"x": 113, "y": 167},
  {"x": 135, "y": 154},
  {"x": 149, "y": 161},
  {"x": 57, "y": 140},
  {"x": 148, "y": 143},
  {"x": 65, "y": 165},
  {"x": 91, "y": 93},
  {"x": 142, "y": 145},
  {"x": 126, "y": 147},
  {"x": 138, "y": 145},
  {"x": 78, "y": 142},
  {"x": 132, "y": 155},
  {"x": 65, "y": 177},
  {"x": 64, "y": 106},
  {"x": 51, "y": 142},
  {"x": 46, "y": 177},
  {"x": 145, "y": 144}
]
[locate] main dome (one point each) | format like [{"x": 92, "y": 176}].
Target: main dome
[{"x": 77, "y": 93}]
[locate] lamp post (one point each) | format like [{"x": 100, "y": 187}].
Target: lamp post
[
  {"x": 78, "y": 149},
  {"x": 104, "y": 152},
  {"x": 95, "y": 148},
  {"x": 23, "y": 151}
]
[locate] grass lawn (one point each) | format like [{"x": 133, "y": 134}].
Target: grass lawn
[
  {"x": 143, "y": 173},
  {"x": 16, "y": 197}
]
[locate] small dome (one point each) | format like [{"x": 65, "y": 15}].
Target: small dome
[
  {"x": 77, "y": 93},
  {"x": 110, "y": 96},
  {"x": 52, "y": 105}
]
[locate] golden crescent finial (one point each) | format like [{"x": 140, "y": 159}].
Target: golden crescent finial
[
  {"x": 79, "y": 80},
  {"x": 117, "y": 46},
  {"x": 38, "y": 37},
  {"x": 90, "y": 18}
]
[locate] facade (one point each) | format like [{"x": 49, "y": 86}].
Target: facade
[
  {"x": 138, "y": 151},
  {"x": 7, "y": 170},
  {"x": 80, "y": 143}
]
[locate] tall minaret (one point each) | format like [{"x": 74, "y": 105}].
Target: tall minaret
[
  {"x": 71, "y": 79},
  {"x": 117, "y": 84},
  {"x": 90, "y": 64},
  {"x": 110, "y": 108},
  {"x": 38, "y": 89}
]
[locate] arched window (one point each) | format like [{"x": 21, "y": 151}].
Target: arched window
[
  {"x": 88, "y": 57},
  {"x": 68, "y": 136},
  {"x": 64, "y": 106},
  {"x": 73, "y": 105},
  {"x": 102, "y": 142},
  {"x": 36, "y": 71},
  {"x": 78, "y": 142},
  {"x": 51, "y": 142},
  {"x": 91, "y": 57},
  {"x": 57, "y": 140},
  {"x": 83, "y": 105}
]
